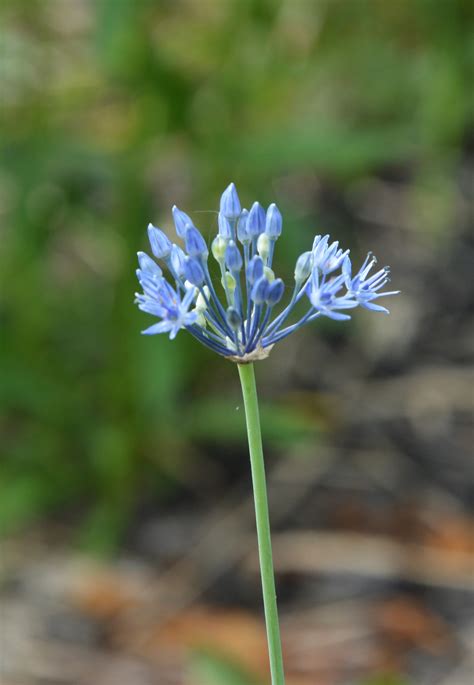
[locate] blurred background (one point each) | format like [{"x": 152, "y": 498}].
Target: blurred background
[{"x": 128, "y": 551}]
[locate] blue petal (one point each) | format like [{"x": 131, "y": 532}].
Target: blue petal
[
  {"x": 174, "y": 330},
  {"x": 225, "y": 230},
  {"x": 314, "y": 279},
  {"x": 319, "y": 248},
  {"x": 147, "y": 264},
  {"x": 161, "y": 327},
  {"x": 337, "y": 316},
  {"x": 374, "y": 307}
]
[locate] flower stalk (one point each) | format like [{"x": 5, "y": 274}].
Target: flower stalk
[
  {"x": 249, "y": 392},
  {"x": 234, "y": 319}
]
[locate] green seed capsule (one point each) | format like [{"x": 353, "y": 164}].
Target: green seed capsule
[
  {"x": 229, "y": 282},
  {"x": 269, "y": 274},
  {"x": 218, "y": 247},
  {"x": 263, "y": 246}
]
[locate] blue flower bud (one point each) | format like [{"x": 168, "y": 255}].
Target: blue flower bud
[
  {"x": 242, "y": 229},
  {"x": 159, "y": 241},
  {"x": 275, "y": 292},
  {"x": 260, "y": 290},
  {"x": 181, "y": 221},
  {"x": 303, "y": 267},
  {"x": 177, "y": 258},
  {"x": 148, "y": 264},
  {"x": 233, "y": 258},
  {"x": 195, "y": 243},
  {"x": 273, "y": 223},
  {"x": 193, "y": 271},
  {"x": 225, "y": 230},
  {"x": 233, "y": 318},
  {"x": 256, "y": 220},
  {"x": 230, "y": 203},
  {"x": 254, "y": 269}
]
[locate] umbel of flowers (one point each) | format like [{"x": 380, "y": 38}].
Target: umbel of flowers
[{"x": 241, "y": 316}]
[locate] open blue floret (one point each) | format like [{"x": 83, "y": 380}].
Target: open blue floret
[{"x": 236, "y": 316}]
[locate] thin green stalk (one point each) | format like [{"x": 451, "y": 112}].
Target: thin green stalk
[{"x": 249, "y": 392}]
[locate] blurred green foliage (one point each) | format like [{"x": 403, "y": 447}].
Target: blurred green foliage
[
  {"x": 114, "y": 110},
  {"x": 385, "y": 680},
  {"x": 209, "y": 668}
]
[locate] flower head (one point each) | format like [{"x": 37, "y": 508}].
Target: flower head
[{"x": 234, "y": 316}]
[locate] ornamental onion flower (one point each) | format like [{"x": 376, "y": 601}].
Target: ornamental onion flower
[
  {"x": 240, "y": 317},
  {"x": 324, "y": 280}
]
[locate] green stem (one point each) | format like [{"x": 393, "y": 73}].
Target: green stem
[{"x": 249, "y": 392}]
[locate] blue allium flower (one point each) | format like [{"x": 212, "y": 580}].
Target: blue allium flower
[{"x": 234, "y": 314}]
